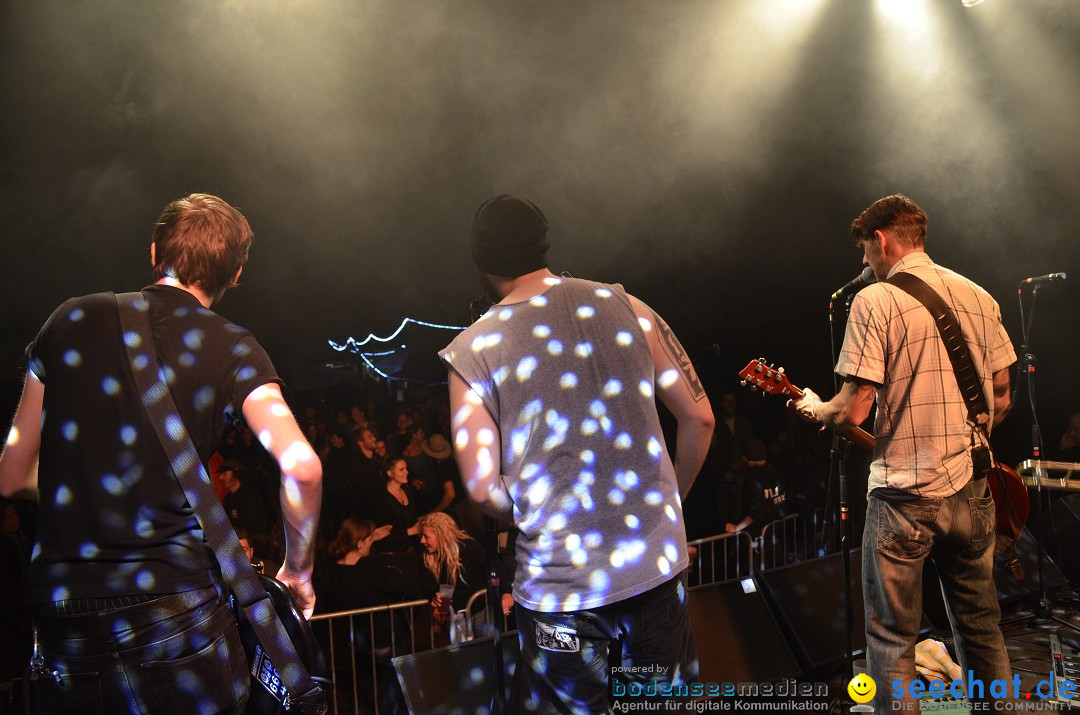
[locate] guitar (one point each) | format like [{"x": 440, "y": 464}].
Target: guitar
[
  {"x": 267, "y": 694},
  {"x": 1011, "y": 502}
]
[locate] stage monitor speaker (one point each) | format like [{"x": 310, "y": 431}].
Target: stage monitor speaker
[
  {"x": 455, "y": 678},
  {"x": 737, "y": 638},
  {"x": 1060, "y": 530},
  {"x": 808, "y": 599}
]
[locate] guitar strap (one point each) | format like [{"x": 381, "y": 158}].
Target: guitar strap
[
  {"x": 967, "y": 379},
  {"x": 184, "y": 459}
]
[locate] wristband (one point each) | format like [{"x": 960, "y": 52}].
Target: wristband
[{"x": 813, "y": 410}]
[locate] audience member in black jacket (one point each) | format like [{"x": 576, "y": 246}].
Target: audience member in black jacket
[{"x": 354, "y": 577}]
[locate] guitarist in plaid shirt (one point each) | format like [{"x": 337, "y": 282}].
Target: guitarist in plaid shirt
[{"x": 927, "y": 490}]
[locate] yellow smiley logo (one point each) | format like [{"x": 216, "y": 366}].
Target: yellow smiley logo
[{"x": 862, "y": 688}]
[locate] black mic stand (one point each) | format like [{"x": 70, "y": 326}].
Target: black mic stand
[
  {"x": 494, "y": 599},
  {"x": 838, "y": 458},
  {"x": 1026, "y": 366}
]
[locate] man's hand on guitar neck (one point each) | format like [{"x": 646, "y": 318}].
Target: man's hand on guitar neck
[
  {"x": 807, "y": 405},
  {"x": 848, "y": 408}
]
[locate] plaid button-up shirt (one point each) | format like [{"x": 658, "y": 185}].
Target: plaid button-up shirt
[{"x": 924, "y": 436}]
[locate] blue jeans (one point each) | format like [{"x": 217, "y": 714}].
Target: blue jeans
[
  {"x": 566, "y": 663},
  {"x": 957, "y": 532},
  {"x": 179, "y": 653}
]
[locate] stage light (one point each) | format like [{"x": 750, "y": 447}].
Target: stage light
[{"x": 970, "y": 3}]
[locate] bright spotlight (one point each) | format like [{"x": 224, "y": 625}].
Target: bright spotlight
[{"x": 970, "y": 3}]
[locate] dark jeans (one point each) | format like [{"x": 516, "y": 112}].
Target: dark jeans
[
  {"x": 958, "y": 533},
  {"x": 567, "y": 664},
  {"x": 179, "y": 653}
]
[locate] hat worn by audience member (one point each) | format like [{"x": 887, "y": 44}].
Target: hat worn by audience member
[
  {"x": 437, "y": 447},
  {"x": 755, "y": 450},
  {"x": 509, "y": 237}
]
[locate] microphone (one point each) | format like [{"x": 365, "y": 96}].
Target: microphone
[
  {"x": 1039, "y": 280},
  {"x": 863, "y": 279}
]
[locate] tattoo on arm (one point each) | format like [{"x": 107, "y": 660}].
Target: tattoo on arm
[{"x": 675, "y": 349}]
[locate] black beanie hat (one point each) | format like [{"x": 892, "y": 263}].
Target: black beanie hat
[{"x": 509, "y": 236}]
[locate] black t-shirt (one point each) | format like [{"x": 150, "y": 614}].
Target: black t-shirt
[
  {"x": 428, "y": 477},
  {"x": 372, "y": 581},
  {"x": 764, "y": 495},
  {"x": 388, "y": 510},
  {"x": 246, "y": 510},
  {"x": 367, "y": 486},
  {"x": 113, "y": 520}
]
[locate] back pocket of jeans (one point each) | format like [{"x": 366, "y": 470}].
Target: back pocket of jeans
[
  {"x": 903, "y": 528},
  {"x": 203, "y": 682}
]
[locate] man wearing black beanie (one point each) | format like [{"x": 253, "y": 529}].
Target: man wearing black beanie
[{"x": 553, "y": 393}]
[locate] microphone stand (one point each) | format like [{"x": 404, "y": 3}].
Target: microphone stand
[
  {"x": 1026, "y": 366},
  {"x": 838, "y": 458},
  {"x": 494, "y": 599}
]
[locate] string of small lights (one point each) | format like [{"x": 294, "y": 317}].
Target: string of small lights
[{"x": 356, "y": 346}]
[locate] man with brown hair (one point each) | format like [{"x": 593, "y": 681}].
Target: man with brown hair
[
  {"x": 129, "y": 603},
  {"x": 927, "y": 491}
]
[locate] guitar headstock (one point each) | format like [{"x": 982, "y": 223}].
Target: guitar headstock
[{"x": 759, "y": 375}]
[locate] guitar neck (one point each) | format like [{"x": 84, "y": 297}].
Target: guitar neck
[
  {"x": 860, "y": 437},
  {"x": 758, "y": 375}
]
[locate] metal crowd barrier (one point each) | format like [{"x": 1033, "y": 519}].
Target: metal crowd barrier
[
  {"x": 792, "y": 539},
  {"x": 730, "y": 557},
  {"x": 360, "y": 643},
  {"x": 724, "y": 557},
  {"x": 477, "y": 623}
]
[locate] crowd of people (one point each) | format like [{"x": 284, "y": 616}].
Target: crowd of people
[
  {"x": 395, "y": 523},
  {"x": 392, "y": 465}
]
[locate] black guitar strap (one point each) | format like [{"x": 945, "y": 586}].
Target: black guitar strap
[
  {"x": 967, "y": 379},
  {"x": 951, "y": 334},
  {"x": 192, "y": 475}
]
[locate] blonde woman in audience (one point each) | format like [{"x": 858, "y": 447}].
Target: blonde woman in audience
[{"x": 454, "y": 558}]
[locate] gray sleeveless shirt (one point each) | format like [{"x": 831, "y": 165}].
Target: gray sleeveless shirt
[{"x": 569, "y": 379}]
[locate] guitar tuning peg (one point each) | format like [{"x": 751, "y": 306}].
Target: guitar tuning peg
[
  {"x": 780, "y": 370},
  {"x": 742, "y": 382}
]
